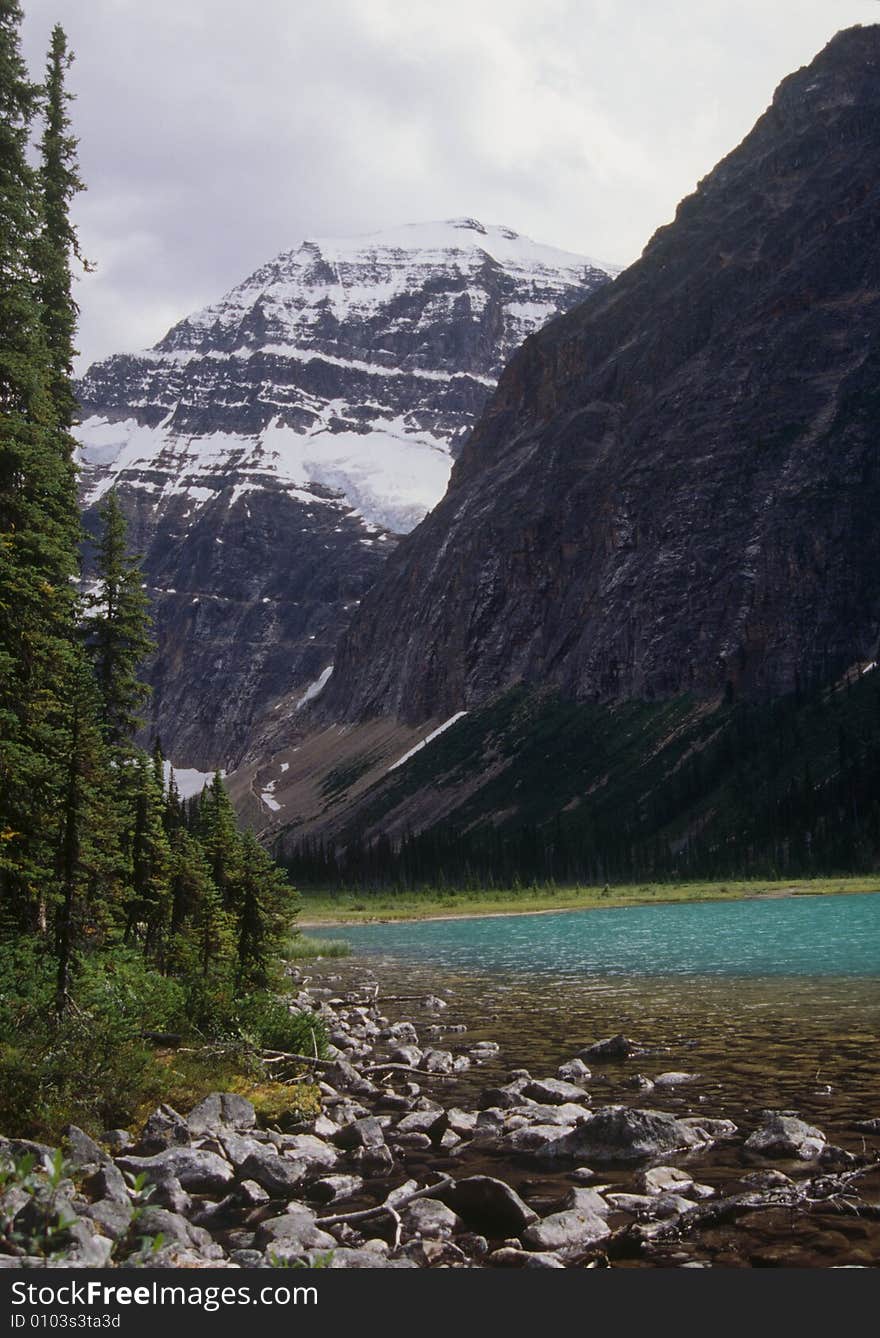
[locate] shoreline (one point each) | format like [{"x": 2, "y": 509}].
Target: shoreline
[{"x": 675, "y": 894}]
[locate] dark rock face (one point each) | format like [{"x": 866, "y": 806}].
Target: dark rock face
[
  {"x": 675, "y": 487},
  {"x": 270, "y": 448}
]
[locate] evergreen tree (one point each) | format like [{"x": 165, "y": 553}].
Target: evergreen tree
[
  {"x": 57, "y": 242},
  {"x": 264, "y": 899},
  {"x": 119, "y": 632},
  {"x": 88, "y": 858},
  {"x": 149, "y": 910},
  {"x": 216, "y": 829},
  {"x": 39, "y": 528}
]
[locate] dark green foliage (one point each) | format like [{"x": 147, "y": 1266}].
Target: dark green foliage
[
  {"x": 123, "y": 912},
  {"x": 119, "y": 630},
  {"x": 59, "y": 182},
  {"x": 39, "y": 528},
  {"x": 636, "y": 791}
]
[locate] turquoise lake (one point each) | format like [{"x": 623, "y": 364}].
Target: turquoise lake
[{"x": 815, "y": 936}]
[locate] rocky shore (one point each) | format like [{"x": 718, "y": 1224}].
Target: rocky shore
[{"x": 394, "y": 1173}]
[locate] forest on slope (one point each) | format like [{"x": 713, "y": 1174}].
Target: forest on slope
[{"x": 123, "y": 911}]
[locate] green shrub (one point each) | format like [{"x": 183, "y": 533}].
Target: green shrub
[{"x": 299, "y": 948}]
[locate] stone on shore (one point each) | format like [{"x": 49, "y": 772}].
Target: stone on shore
[
  {"x": 784, "y": 1135},
  {"x": 623, "y": 1134},
  {"x": 488, "y": 1205}
]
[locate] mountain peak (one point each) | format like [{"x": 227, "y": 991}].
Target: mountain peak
[{"x": 271, "y": 446}]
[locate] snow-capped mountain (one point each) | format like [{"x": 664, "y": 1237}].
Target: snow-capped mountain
[{"x": 271, "y": 446}]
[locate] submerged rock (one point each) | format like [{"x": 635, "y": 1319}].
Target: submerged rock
[
  {"x": 611, "y": 1047},
  {"x": 622, "y": 1134},
  {"x": 786, "y": 1136}
]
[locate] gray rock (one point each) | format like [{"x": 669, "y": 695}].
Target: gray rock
[
  {"x": 534, "y": 1137},
  {"x": 117, "y": 1140},
  {"x": 195, "y": 1168},
  {"x": 674, "y": 1079},
  {"x": 178, "y": 1231},
  {"x": 246, "y": 1258},
  {"x": 429, "y": 1217},
  {"x": 406, "y": 1054},
  {"x": 574, "y": 1070},
  {"x": 107, "y": 1182},
  {"x": 237, "y": 1149},
  {"x": 404, "y": 1032},
  {"x": 165, "y": 1128},
  {"x": 586, "y": 1201},
  {"x": 640, "y": 1205},
  {"x": 169, "y": 1193},
  {"x": 437, "y": 1061},
  {"x": 566, "y": 1114},
  {"x": 279, "y": 1176},
  {"x": 767, "y": 1180},
  {"x": 622, "y": 1134},
  {"x": 346, "y": 1078},
  {"x": 710, "y": 1129},
  {"x": 488, "y": 1205},
  {"x": 112, "y": 1218},
  {"x": 503, "y": 1098},
  {"x": 291, "y": 1234},
  {"x": 416, "y": 1142},
  {"x": 317, "y": 1155},
  {"x": 508, "y": 1256},
  {"x": 786, "y": 1136},
  {"x": 640, "y": 1082},
  {"x": 363, "y": 1257},
  {"x": 251, "y": 1194},
  {"x": 80, "y": 1150},
  {"x": 333, "y": 1188},
  {"x": 222, "y": 1110},
  {"x": 663, "y": 1180},
  {"x": 430, "y": 1122},
  {"x": 461, "y": 1122},
  {"x": 572, "y": 1230},
  {"x": 85, "y": 1247},
  {"x": 611, "y": 1047},
  {"x": 553, "y": 1092},
  {"x": 583, "y": 1174},
  {"x": 363, "y": 1133},
  {"x": 373, "y": 1161}
]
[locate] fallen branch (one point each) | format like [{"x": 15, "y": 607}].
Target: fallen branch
[
  {"x": 388, "y": 1209},
  {"x": 406, "y": 1068},
  {"x": 275, "y": 1056}
]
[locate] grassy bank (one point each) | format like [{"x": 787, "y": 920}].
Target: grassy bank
[{"x": 321, "y": 909}]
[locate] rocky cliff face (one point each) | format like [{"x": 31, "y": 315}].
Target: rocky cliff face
[
  {"x": 675, "y": 487},
  {"x": 271, "y": 448}
]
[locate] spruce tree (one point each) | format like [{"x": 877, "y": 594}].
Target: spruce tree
[
  {"x": 119, "y": 631},
  {"x": 57, "y": 243},
  {"x": 216, "y": 829},
  {"x": 88, "y": 853},
  {"x": 39, "y": 527},
  {"x": 149, "y": 909},
  {"x": 262, "y": 895}
]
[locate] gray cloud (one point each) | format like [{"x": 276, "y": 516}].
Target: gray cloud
[{"x": 213, "y": 136}]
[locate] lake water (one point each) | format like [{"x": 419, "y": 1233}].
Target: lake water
[
  {"x": 786, "y": 936},
  {"x": 771, "y": 1003}
]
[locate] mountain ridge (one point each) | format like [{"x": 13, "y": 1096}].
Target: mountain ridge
[
  {"x": 671, "y": 489},
  {"x": 270, "y": 449}
]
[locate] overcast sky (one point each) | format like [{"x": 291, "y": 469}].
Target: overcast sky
[{"x": 215, "y": 134}]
